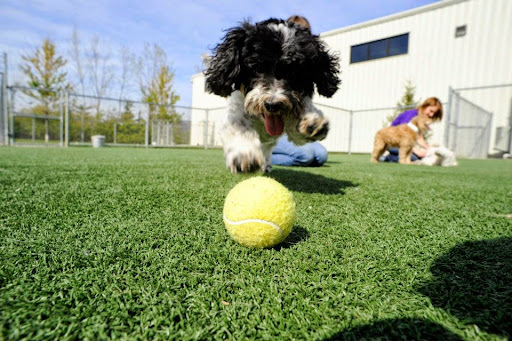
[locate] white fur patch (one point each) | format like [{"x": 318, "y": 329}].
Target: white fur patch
[
  {"x": 413, "y": 127},
  {"x": 287, "y": 33}
]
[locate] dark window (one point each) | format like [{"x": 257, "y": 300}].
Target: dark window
[
  {"x": 398, "y": 45},
  {"x": 380, "y": 48},
  {"x": 359, "y": 53},
  {"x": 460, "y": 31},
  {"x": 377, "y": 49}
]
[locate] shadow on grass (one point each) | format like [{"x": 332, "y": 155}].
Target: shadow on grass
[
  {"x": 298, "y": 235},
  {"x": 302, "y": 181},
  {"x": 473, "y": 281},
  {"x": 398, "y": 329}
]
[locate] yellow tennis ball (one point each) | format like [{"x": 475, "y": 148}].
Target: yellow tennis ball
[{"x": 259, "y": 212}]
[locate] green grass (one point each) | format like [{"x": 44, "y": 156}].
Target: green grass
[{"x": 130, "y": 244}]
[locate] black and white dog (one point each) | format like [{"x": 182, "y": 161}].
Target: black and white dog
[{"x": 268, "y": 70}]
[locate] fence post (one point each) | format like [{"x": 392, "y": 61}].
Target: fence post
[
  {"x": 205, "y": 129},
  {"x": 61, "y": 114},
  {"x": 510, "y": 128},
  {"x": 82, "y": 122},
  {"x": 456, "y": 123},
  {"x": 4, "y": 103},
  {"x": 447, "y": 119},
  {"x": 33, "y": 130},
  {"x": 3, "y": 112},
  {"x": 147, "y": 126},
  {"x": 170, "y": 133},
  {"x": 66, "y": 113},
  {"x": 115, "y": 131},
  {"x": 153, "y": 133},
  {"x": 489, "y": 133},
  {"x": 10, "y": 113},
  {"x": 351, "y": 114},
  {"x": 157, "y": 134}
]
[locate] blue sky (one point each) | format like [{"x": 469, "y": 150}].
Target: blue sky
[{"x": 184, "y": 29}]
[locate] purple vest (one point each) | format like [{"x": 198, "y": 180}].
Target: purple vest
[{"x": 405, "y": 117}]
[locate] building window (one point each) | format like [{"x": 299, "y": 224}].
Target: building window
[
  {"x": 460, "y": 31},
  {"x": 380, "y": 48}
]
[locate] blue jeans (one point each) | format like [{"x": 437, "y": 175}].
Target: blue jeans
[
  {"x": 309, "y": 155},
  {"x": 393, "y": 156}
]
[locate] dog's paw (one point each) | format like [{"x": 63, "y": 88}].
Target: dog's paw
[
  {"x": 314, "y": 127},
  {"x": 246, "y": 161}
]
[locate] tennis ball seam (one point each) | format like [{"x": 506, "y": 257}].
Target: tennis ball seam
[{"x": 241, "y": 222}]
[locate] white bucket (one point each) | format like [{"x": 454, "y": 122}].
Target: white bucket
[{"x": 98, "y": 141}]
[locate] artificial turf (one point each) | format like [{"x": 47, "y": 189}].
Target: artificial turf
[{"x": 115, "y": 243}]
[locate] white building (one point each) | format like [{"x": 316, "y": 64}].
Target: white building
[{"x": 454, "y": 44}]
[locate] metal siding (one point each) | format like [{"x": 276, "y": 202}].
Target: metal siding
[
  {"x": 435, "y": 61},
  {"x": 202, "y": 100}
]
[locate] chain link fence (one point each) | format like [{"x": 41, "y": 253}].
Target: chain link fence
[
  {"x": 36, "y": 116},
  {"x": 469, "y": 128},
  {"x": 4, "y": 118},
  {"x": 58, "y": 118},
  {"x": 52, "y": 118},
  {"x": 478, "y": 120},
  {"x": 125, "y": 122},
  {"x": 353, "y": 131},
  {"x": 65, "y": 119}
]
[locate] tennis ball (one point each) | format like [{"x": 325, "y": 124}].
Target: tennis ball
[{"x": 259, "y": 212}]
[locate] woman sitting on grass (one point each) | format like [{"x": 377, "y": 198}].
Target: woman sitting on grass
[{"x": 432, "y": 108}]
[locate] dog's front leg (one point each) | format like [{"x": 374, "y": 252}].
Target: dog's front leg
[
  {"x": 242, "y": 149},
  {"x": 311, "y": 125},
  {"x": 405, "y": 154},
  {"x": 379, "y": 147}
]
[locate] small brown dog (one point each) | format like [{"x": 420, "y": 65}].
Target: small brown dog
[{"x": 402, "y": 136}]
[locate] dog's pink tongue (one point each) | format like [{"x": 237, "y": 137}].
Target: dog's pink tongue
[{"x": 274, "y": 124}]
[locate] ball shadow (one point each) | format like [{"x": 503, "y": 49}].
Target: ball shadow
[
  {"x": 298, "y": 235},
  {"x": 398, "y": 329},
  {"x": 306, "y": 182},
  {"x": 473, "y": 281}
]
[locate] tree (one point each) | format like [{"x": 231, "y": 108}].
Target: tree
[
  {"x": 160, "y": 91},
  {"x": 149, "y": 64},
  {"x": 156, "y": 84},
  {"x": 44, "y": 70},
  {"x": 76, "y": 55},
  {"x": 127, "y": 115},
  {"x": 127, "y": 66},
  {"x": 100, "y": 71},
  {"x": 406, "y": 102}
]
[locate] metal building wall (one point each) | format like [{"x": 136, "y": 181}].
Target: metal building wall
[
  {"x": 436, "y": 60},
  {"x": 202, "y": 100}
]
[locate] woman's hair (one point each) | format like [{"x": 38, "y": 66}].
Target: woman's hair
[
  {"x": 300, "y": 20},
  {"x": 434, "y": 101}
]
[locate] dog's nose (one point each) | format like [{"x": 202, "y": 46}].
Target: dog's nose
[{"x": 273, "y": 106}]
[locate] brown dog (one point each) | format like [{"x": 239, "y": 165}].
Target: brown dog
[{"x": 402, "y": 136}]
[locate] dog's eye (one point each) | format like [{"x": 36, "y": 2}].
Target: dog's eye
[
  {"x": 260, "y": 68},
  {"x": 282, "y": 71},
  {"x": 279, "y": 74}
]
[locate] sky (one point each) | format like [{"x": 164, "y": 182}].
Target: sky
[{"x": 184, "y": 29}]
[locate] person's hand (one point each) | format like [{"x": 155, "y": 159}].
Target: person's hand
[{"x": 420, "y": 152}]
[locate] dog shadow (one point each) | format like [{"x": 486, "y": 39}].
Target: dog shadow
[
  {"x": 397, "y": 329},
  {"x": 298, "y": 235},
  {"x": 473, "y": 281},
  {"x": 306, "y": 182}
]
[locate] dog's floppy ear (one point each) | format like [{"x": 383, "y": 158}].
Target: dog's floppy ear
[
  {"x": 326, "y": 72},
  {"x": 223, "y": 74}
]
